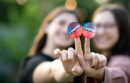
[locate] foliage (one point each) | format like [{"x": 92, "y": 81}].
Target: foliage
[{"x": 18, "y": 26}]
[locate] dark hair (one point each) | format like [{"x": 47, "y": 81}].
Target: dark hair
[{"x": 121, "y": 17}]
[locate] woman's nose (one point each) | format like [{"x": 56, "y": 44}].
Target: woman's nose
[
  {"x": 63, "y": 29},
  {"x": 100, "y": 31}
]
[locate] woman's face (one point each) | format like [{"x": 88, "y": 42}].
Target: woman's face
[
  {"x": 57, "y": 30},
  {"x": 107, "y": 33}
]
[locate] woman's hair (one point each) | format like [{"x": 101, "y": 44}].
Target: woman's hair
[
  {"x": 121, "y": 17},
  {"x": 40, "y": 39}
]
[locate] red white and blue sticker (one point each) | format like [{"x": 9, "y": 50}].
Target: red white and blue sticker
[
  {"x": 75, "y": 29},
  {"x": 89, "y": 30}
]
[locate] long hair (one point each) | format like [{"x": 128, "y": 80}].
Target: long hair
[
  {"x": 121, "y": 17},
  {"x": 40, "y": 39}
]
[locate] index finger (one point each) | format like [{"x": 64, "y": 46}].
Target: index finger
[
  {"x": 78, "y": 46},
  {"x": 87, "y": 46}
]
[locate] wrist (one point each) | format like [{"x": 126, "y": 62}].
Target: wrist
[
  {"x": 100, "y": 75},
  {"x": 59, "y": 73}
]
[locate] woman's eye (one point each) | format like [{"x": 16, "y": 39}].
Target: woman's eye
[
  {"x": 97, "y": 25},
  {"x": 62, "y": 22},
  {"x": 106, "y": 25},
  {"x": 110, "y": 25}
]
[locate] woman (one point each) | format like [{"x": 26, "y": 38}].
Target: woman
[
  {"x": 40, "y": 66},
  {"x": 113, "y": 41}
]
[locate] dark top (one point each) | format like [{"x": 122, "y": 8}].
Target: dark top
[{"x": 29, "y": 64}]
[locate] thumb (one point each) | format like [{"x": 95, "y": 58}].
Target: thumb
[{"x": 77, "y": 70}]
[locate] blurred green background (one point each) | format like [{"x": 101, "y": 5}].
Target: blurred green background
[{"x": 19, "y": 23}]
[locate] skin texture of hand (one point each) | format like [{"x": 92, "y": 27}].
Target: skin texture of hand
[
  {"x": 70, "y": 60},
  {"x": 75, "y": 63}
]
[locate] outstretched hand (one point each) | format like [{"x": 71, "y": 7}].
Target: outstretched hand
[
  {"x": 69, "y": 58},
  {"x": 75, "y": 62},
  {"x": 92, "y": 63}
]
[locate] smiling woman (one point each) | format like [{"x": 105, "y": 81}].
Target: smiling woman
[
  {"x": 113, "y": 31},
  {"x": 107, "y": 34},
  {"x": 64, "y": 17},
  {"x": 40, "y": 66},
  {"x": 113, "y": 40}
]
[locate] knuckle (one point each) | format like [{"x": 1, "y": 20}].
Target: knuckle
[
  {"x": 95, "y": 56},
  {"x": 100, "y": 60},
  {"x": 56, "y": 51},
  {"x": 70, "y": 49},
  {"x": 105, "y": 62},
  {"x": 104, "y": 59}
]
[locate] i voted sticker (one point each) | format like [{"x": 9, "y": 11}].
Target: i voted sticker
[
  {"x": 75, "y": 30},
  {"x": 89, "y": 30}
]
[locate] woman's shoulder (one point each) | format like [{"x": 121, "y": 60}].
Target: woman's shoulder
[
  {"x": 118, "y": 60},
  {"x": 38, "y": 58},
  {"x": 28, "y": 65},
  {"x": 120, "y": 57}
]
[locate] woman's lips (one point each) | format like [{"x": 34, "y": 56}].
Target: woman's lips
[
  {"x": 63, "y": 37},
  {"x": 102, "y": 40}
]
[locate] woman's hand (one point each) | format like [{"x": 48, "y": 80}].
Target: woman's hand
[
  {"x": 70, "y": 60},
  {"x": 74, "y": 63},
  {"x": 92, "y": 63}
]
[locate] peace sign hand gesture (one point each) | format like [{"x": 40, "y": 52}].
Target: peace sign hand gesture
[
  {"x": 75, "y": 63},
  {"x": 92, "y": 63}
]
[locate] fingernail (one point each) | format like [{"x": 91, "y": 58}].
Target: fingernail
[
  {"x": 64, "y": 56},
  {"x": 70, "y": 55},
  {"x": 55, "y": 52}
]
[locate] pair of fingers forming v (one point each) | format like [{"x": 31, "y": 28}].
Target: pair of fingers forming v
[
  {"x": 78, "y": 49},
  {"x": 78, "y": 46}
]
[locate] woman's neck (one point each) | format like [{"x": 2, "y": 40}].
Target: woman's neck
[
  {"x": 106, "y": 53},
  {"x": 49, "y": 49}
]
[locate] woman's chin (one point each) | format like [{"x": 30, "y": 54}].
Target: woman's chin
[
  {"x": 102, "y": 48},
  {"x": 63, "y": 45}
]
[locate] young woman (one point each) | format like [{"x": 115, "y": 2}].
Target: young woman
[
  {"x": 40, "y": 66},
  {"x": 113, "y": 41}
]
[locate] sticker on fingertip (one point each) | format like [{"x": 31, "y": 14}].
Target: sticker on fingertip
[
  {"x": 75, "y": 30},
  {"x": 89, "y": 30}
]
